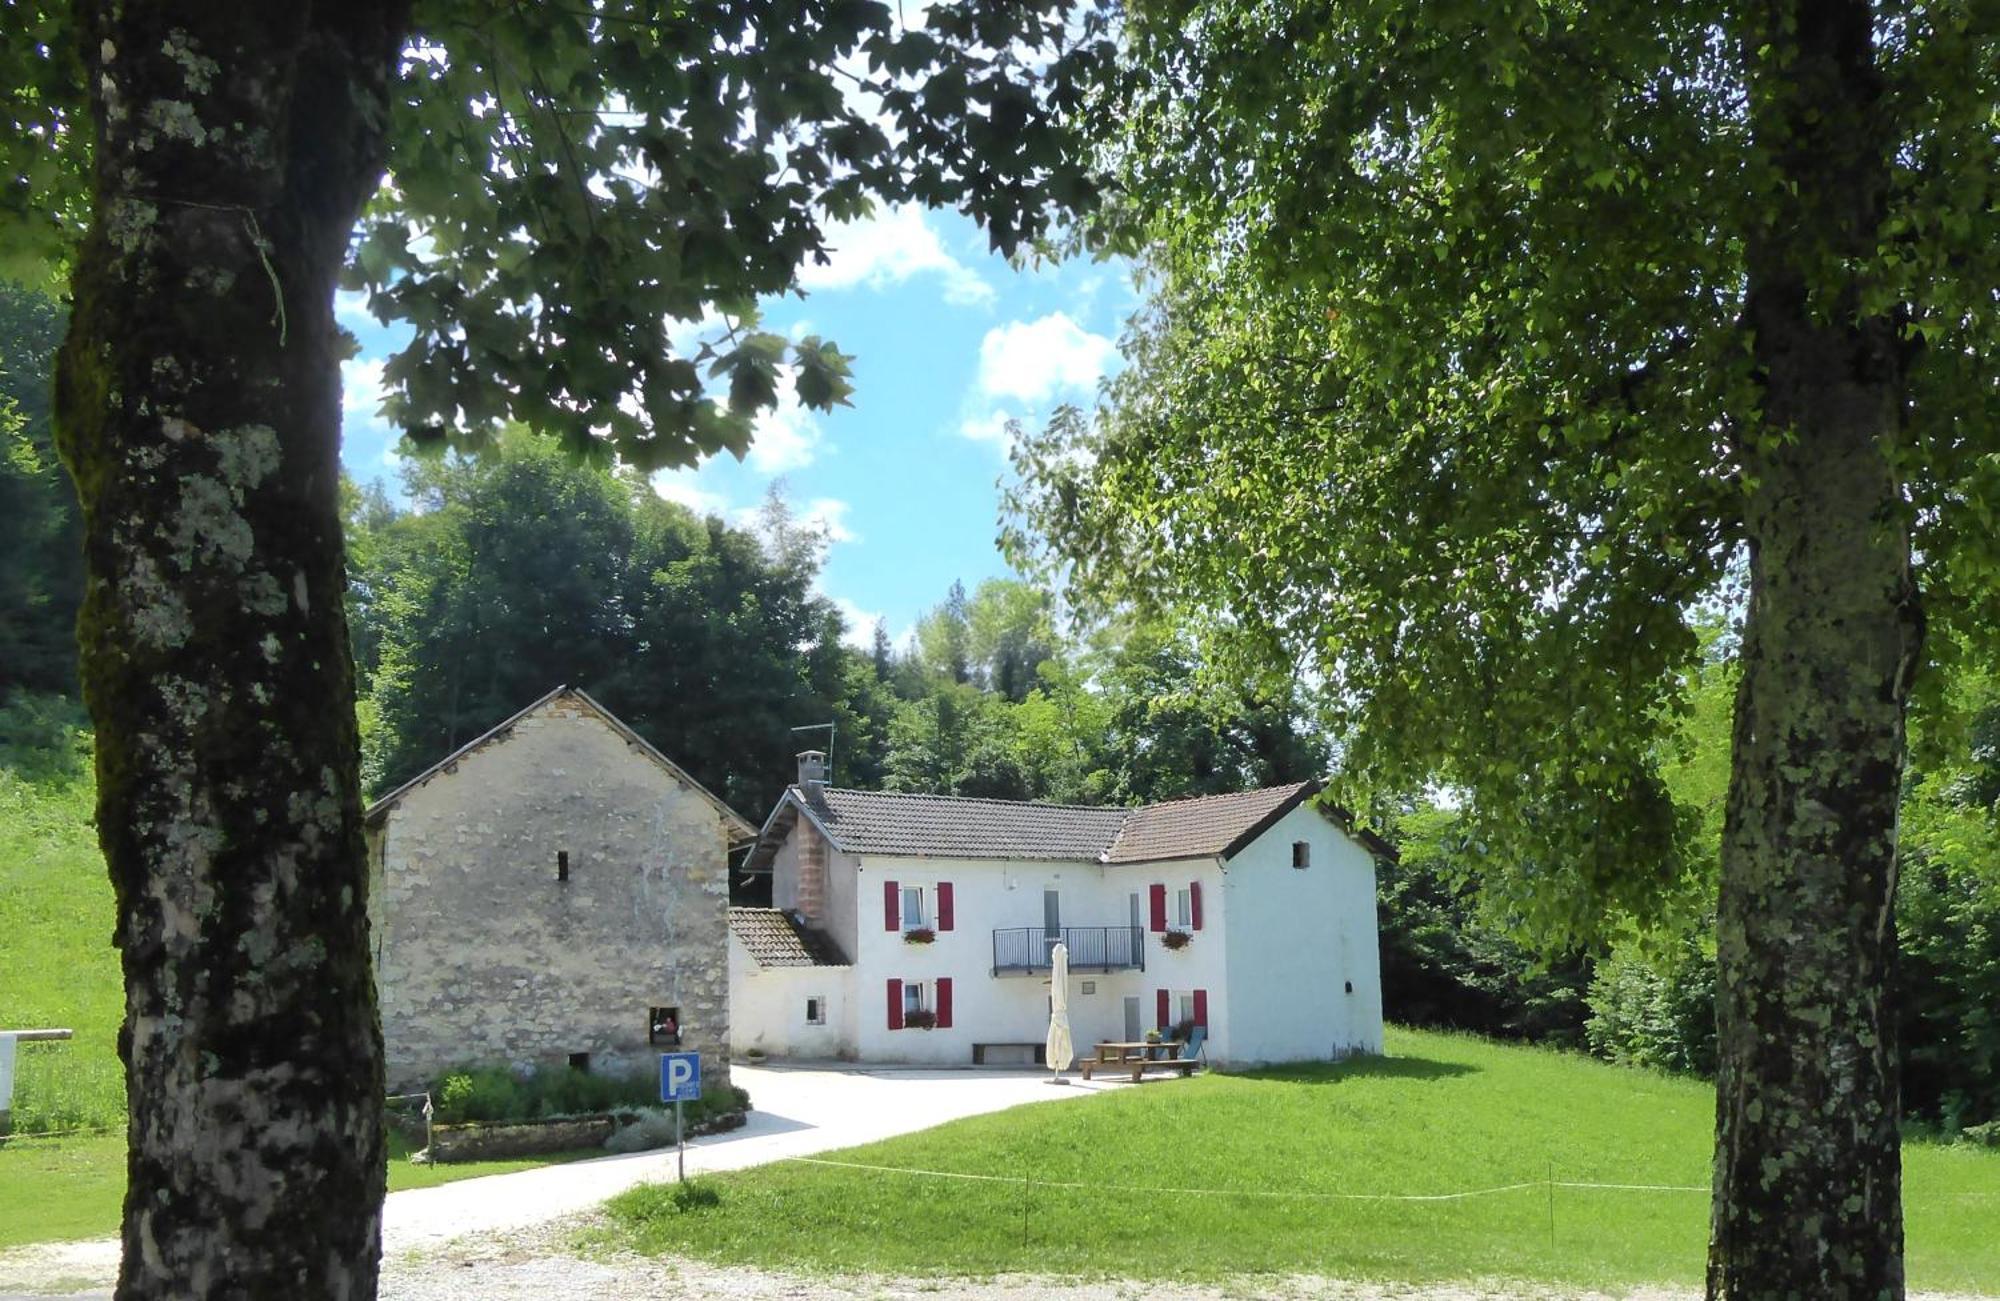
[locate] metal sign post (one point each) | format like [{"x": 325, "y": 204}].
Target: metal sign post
[{"x": 680, "y": 1082}]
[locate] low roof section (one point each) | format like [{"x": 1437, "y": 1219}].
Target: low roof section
[
  {"x": 740, "y": 829},
  {"x": 778, "y": 939}
]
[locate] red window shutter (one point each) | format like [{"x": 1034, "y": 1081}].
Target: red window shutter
[
  {"x": 1159, "y": 896},
  {"x": 1194, "y": 903},
  {"x": 944, "y": 911},
  {"x": 892, "y": 898},
  {"x": 1201, "y": 1008},
  {"x": 895, "y": 1005},
  {"x": 944, "y": 1002},
  {"x": 1160, "y": 1003}
]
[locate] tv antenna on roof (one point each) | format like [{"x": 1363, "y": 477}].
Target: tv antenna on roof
[{"x": 828, "y": 728}]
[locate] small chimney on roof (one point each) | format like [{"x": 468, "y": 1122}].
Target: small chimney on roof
[{"x": 812, "y": 771}]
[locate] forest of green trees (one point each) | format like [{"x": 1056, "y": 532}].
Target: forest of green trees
[{"x": 495, "y": 579}]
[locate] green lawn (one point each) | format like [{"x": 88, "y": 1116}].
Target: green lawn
[
  {"x": 1441, "y": 1114},
  {"x": 57, "y": 1189},
  {"x": 57, "y": 966}
]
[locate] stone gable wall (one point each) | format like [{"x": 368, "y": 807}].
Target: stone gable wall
[{"x": 483, "y": 957}]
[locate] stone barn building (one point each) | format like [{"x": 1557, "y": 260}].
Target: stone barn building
[{"x": 556, "y": 891}]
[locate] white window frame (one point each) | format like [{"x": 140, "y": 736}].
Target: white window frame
[
  {"x": 1184, "y": 1001},
  {"x": 1184, "y": 908},
  {"x": 913, "y": 997},
  {"x": 912, "y": 918},
  {"x": 815, "y": 1002}
]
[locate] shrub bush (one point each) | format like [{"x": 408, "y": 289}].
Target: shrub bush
[
  {"x": 1655, "y": 1011},
  {"x": 492, "y": 1093},
  {"x": 654, "y": 1129}
]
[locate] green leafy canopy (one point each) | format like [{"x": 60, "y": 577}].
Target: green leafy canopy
[
  {"x": 1445, "y": 381},
  {"x": 573, "y": 187}
]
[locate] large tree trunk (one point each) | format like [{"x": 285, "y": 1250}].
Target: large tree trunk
[
  {"x": 1808, "y": 1172},
  {"x": 198, "y": 408}
]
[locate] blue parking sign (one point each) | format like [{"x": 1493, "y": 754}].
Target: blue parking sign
[{"x": 680, "y": 1077}]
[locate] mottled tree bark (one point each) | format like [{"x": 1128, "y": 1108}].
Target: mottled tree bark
[
  {"x": 198, "y": 409},
  {"x": 1808, "y": 1169}
]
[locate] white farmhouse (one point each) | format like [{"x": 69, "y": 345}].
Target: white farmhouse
[{"x": 917, "y": 928}]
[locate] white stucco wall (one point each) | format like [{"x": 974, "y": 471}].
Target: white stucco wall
[
  {"x": 1013, "y": 1007},
  {"x": 1296, "y": 940},
  {"x": 767, "y": 1008}
]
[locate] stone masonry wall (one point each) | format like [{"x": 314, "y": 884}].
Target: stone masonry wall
[{"x": 483, "y": 957}]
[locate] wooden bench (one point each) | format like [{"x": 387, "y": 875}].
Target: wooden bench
[
  {"x": 1185, "y": 1065},
  {"x": 1040, "y": 1051},
  {"x": 1118, "y": 1058}
]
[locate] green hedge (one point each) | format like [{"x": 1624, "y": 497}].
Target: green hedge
[{"x": 493, "y": 1093}]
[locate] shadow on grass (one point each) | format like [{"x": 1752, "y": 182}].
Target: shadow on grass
[{"x": 1392, "y": 1068}]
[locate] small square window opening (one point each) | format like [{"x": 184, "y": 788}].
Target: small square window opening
[
  {"x": 1301, "y": 854},
  {"x": 562, "y": 865},
  {"x": 815, "y": 1011},
  {"x": 1090, "y": 987},
  {"x": 580, "y": 1062},
  {"x": 913, "y": 997},
  {"x": 663, "y": 1026}
]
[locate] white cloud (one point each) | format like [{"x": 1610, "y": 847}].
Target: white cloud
[
  {"x": 888, "y": 248},
  {"x": 830, "y": 513},
  {"x": 350, "y": 308},
  {"x": 785, "y": 437},
  {"x": 860, "y": 632},
  {"x": 679, "y": 486},
  {"x": 686, "y": 337},
  {"x": 1033, "y": 361},
  {"x": 361, "y": 386},
  {"x": 990, "y": 428}
]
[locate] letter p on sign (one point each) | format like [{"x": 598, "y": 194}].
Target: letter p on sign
[{"x": 680, "y": 1077}]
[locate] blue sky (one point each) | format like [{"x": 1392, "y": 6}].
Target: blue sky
[{"x": 949, "y": 341}]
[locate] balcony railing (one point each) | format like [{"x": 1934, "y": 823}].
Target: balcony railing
[{"x": 1091, "y": 948}]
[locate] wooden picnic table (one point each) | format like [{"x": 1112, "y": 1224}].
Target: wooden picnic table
[{"x": 1137, "y": 1056}]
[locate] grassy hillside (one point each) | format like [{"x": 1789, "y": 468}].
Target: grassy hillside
[
  {"x": 1443, "y": 1114},
  {"x": 57, "y": 966}
]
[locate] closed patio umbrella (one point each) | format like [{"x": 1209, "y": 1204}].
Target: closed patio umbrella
[{"x": 1060, "y": 1050}]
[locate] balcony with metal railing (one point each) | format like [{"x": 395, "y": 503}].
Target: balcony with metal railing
[{"x": 1026, "y": 949}]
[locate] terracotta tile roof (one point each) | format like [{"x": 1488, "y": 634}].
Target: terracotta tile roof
[
  {"x": 775, "y": 940},
  {"x": 949, "y": 826},
  {"x": 1202, "y": 827}
]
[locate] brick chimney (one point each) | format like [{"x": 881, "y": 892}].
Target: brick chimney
[
  {"x": 811, "y": 902},
  {"x": 812, "y": 846}
]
